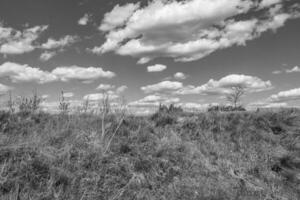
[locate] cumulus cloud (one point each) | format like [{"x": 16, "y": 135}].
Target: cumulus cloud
[
  {"x": 105, "y": 87},
  {"x": 154, "y": 100},
  {"x": 25, "y": 73},
  {"x": 284, "y": 96},
  {"x": 81, "y": 73},
  {"x": 180, "y": 75},
  {"x": 47, "y": 55},
  {"x": 156, "y": 68},
  {"x": 60, "y": 43},
  {"x": 84, "y": 20},
  {"x": 4, "y": 88},
  {"x": 188, "y": 30},
  {"x": 162, "y": 86},
  {"x": 224, "y": 85},
  {"x": 13, "y": 41}
]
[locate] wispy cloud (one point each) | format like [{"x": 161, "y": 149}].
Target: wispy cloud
[
  {"x": 288, "y": 71},
  {"x": 47, "y": 55},
  {"x": 60, "y": 43}
]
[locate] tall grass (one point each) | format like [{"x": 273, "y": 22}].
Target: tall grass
[{"x": 169, "y": 155}]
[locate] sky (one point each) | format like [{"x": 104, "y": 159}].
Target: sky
[{"x": 188, "y": 52}]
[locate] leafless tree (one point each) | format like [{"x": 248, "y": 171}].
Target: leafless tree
[{"x": 234, "y": 97}]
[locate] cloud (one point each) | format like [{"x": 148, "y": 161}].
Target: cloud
[
  {"x": 68, "y": 94},
  {"x": 156, "y": 68},
  {"x": 121, "y": 89},
  {"x": 84, "y": 20},
  {"x": 288, "y": 71},
  {"x": 188, "y": 30},
  {"x": 180, "y": 75},
  {"x": 100, "y": 96},
  {"x": 263, "y": 104},
  {"x": 105, "y": 87},
  {"x": 283, "y": 96},
  {"x": 154, "y": 100},
  {"x": 294, "y": 69},
  {"x": 81, "y": 73},
  {"x": 4, "y": 88},
  {"x": 162, "y": 86},
  {"x": 224, "y": 85},
  {"x": 25, "y": 73},
  {"x": 62, "y": 42},
  {"x": 108, "y": 93},
  {"x": 118, "y": 16},
  {"x": 47, "y": 55},
  {"x": 18, "y": 42},
  {"x": 276, "y": 72},
  {"x": 268, "y": 3}
]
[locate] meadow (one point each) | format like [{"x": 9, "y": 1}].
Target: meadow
[{"x": 170, "y": 155}]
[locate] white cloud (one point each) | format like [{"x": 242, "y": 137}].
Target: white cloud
[
  {"x": 294, "y": 69},
  {"x": 24, "y": 73},
  {"x": 180, "y": 75},
  {"x": 277, "y": 72},
  {"x": 223, "y": 86},
  {"x": 62, "y": 42},
  {"x": 100, "y": 96},
  {"x": 47, "y": 55},
  {"x": 81, "y": 73},
  {"x": 154, "y": 100},
  {"x": 68, "y": 94},
  {"x": 263, "y": 104},
  {"x": 186, "y": 30},
  {"x": 156, "y": 68},
  {"x": 268, "y": 3},
  {"x": 162, "y": 86},
  {"x": 84, "y": 20},
  {"x": 288, "y": 71},
  {"x": 105, "y": 87},
  {"x": 4, "y": 88},
  {"x": 289, "y": 95},
  {"x": 18, "y": 42},
  {"x": 118, "y": 16},
  {"x": 121, "y": 89}
]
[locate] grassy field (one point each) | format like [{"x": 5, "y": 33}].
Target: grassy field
[{"x": 166, "y": 156}]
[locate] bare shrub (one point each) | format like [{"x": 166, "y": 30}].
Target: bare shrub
[{"x": 234, "y": 97}]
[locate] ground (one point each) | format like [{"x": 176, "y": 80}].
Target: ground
[{"x": 166, "y": 156}]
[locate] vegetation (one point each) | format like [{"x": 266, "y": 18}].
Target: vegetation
[{"x": 170, "y": 155}]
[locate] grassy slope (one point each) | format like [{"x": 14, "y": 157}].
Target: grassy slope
[{"x": 205, "y": 156}]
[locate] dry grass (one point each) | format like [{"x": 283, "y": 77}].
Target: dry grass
[{"x": 168, "y": 156}]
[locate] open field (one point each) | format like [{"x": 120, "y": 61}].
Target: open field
[{"x": 166, "y": 156}]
